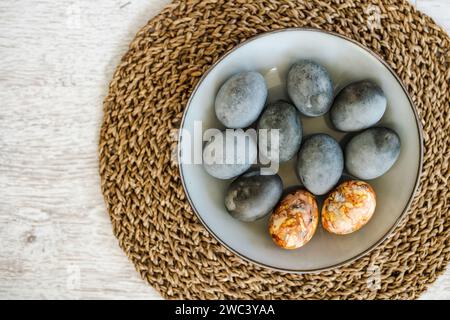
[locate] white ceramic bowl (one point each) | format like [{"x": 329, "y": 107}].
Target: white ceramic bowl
[{"x": 272, "y": 54}]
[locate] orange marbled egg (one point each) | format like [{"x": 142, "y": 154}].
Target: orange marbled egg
[
  {"x": 349, "y": 207},
  {"x": 294, "y": 220}
]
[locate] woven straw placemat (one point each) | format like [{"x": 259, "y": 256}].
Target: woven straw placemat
[{"x": 149, "y": 211}]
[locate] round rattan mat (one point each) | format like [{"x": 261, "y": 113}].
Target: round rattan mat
[{"x": 149, "y": 211}]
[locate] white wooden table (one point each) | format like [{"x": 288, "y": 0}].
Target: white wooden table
[{"x": 56, "y": 59}]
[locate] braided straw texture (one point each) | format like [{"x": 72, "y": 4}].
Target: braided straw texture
[{"x": 149, "y": 211}]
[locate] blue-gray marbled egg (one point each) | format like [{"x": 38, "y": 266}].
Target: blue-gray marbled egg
[
  {"x": 252, "y": 196},
  {"x": 320, "y": 163},
  {"x": 284, "y": 117},
  {"x": 224, "y": 160},
  {"x": 241, "y": 99},
  {"x": 372, "y": 152},
  {"x": 358, "y": 106},
  {"x": 310, "y": 88}
]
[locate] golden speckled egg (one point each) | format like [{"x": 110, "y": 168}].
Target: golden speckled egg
[
  {"x": 349, "y": 207},
  {"x": 294, "y": 220}
]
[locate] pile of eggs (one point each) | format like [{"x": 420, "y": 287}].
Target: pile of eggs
[{"x": 370, "y": 153}]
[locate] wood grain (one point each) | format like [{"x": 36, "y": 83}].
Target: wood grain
[{"x": 57, "y": 58}]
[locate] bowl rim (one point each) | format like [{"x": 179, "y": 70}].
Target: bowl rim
[{"x": 408, "y": 204}]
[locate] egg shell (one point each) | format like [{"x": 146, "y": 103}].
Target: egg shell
[
  {"x": 358, "y": 106},
  {"x": 310, "y": 88},
  {"x": 253, "y": 196},
  {"x": 224, "y": 163},
  {"x": 294, "y": 220},
  {"x": 241, "y": 99},
  {"x": 284, "y": 117},
  {"x": 320, "y": 163},
  {"x": 349, "y": 207},
  {"x": 371, "y": 153}
]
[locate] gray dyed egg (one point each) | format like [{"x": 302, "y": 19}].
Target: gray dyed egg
[
  {"x": 241, "y": 99},
  {"x": 372, "y": 153},
  {"x": 358, "y": 106},
  {"x": 284, "y": 117},
  {"x": 310, "y": 88},
  {"x": 252, "y": 196},
  {"x": 224, "y": 158},
  {"x": 320, "y": 163}
]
